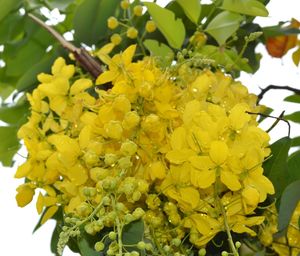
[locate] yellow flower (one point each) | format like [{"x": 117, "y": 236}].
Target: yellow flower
[
  {"x": 262, "y": 184},
  {"x": 118, "y": 65}
]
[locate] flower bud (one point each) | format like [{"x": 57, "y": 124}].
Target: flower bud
[
  {"x": 132, "y": 33},
  {"x": 150, "y": 26},
  {"x": 112, "y": 22}
]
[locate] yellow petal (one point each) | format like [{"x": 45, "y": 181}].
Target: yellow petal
[
  {"x": 80, "y": 85},
  {"x": 251, "y": 196},
  {"x": 106, "y": 49},
  {"x": 24, "y": 195},
  {"x": 189, "y": 196},
  {"x": 77, "y": 174},
  {"x": 191, "y": 108},
  {"x": 23, "y": 170},
  {"x": 49, "y": 213},
  {"x": 238, "y": 116},
  {"x": 58, "y": 64},
  {"x": 202, "y": 223},
  {"x": 218, "y": 152},
  {"x": 106, "y": 77},
  {"x": 40, "y": 203},
  {"x": 230, "y": 180},
  {"x": 202, "y": 162},
  {"x": 202, "y": 179},
  {"x": 179, "y": 156},
  {"x": 48, "y": 201},
  {"x": 59, "y": 86},
  {"x": 58, "y": 104},
  {"x": 157, "y": 170},
  {"x": 128, "y": 54},
  {"x": 85, "y": 136},
  {"x": 178, "y": 139}
]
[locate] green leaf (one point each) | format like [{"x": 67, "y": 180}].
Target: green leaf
[
  {"x": 278, "y": 30},
  {"x": 295, "y": 98},
  {"x": 12, "y": 26},
  {"x": 5, "y": 90},
  {"x": 248, "y": 7},
  {"x": 132, "y": 234},
  {"x": 16, "y": 115},
  {"x": 161, "y": 50},
  {"x": 276, "y": 167},
  {"x": 90, "y": 19},
  {"x": 191, "y": 8},
  {"x": 86, "y": 245},
  {"x": 296, "y": 142},
  {"x": 227, "y": 58},
  {"x": 172, "y": 28},
  {"x": 294, "y": 166},
  {"x": 289, "y": 200},
  {"x": 55, "y": 239},
  {"x": 27, "y": 51},
  {"x": 267, "y": 111},
  {"x": 7, "y": 6},
  {"x": 9, "y": 144},
  {"x": 59, "y": 4},
  {"x": 295, "y": 117},
  {"x": 29, "y": 78},
  {"x": 223, "y": 26}
]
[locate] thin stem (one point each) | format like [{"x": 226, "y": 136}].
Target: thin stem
[
  {"x": 279, "y": 118},
  {"x": 230, "y": 240},
  {"x": 57, "y": 36},
  {"x": 276, "y": 87},
  {"x": 82, "y": 56},
  {"x": 119, "y": 229},
  {"x": 227, "y": 228}
]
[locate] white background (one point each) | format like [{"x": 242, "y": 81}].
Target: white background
[{"x": 16, "y": 224}]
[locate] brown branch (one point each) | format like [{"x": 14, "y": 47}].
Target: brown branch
[
  {"x": 87, "y": 62},
  {"x": 276, "y": 87},
  {"x": 278, "y": 118}
]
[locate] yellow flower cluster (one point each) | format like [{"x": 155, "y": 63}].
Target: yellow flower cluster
[
  {"x": 287, "y": 244},
  {"x": 183, "y": 155}
]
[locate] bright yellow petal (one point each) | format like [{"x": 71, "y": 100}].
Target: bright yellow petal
[
  {"x": 179, "y": 156},
  {"x": 85, "y": 136},
  {"x": 59, "y": 86},
  {"x": 40, "y": 203},
  {"x": 58, "y": 104},
  {"x": 189, "y": 196},
  {"x": 230, "y": 180},
  {"x": 178, "y": 139},
  {"x": 24, "y": 195},
  {"x": 202, "y": 179},
  {"x": 106, "y": 77},
  {"x": 128, "y": 54},
  {"x": 191, "y": 108},
  {"x": 80, "y": 85},
  {"x": 49, "y": 213},
  {"x": 238, "y": 116},
  {"x": 218, "y": 152},
  {"x": 106, "y": 49},
  {"x": 157, "y": 170},
  {"x": 202, "y": 162},
  {"x": 77, "y": 174},
  {"x": 58, "y": 64},
  {"x": 23, "y": 170}
]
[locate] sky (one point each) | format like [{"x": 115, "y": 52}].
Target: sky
[{"x": 16, "y": 224}]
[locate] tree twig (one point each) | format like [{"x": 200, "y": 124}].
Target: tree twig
[
  {"x": 276, "y": 87},
  {"x": 81, "y": 55},
  {"x": 279, "y": 118}
]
